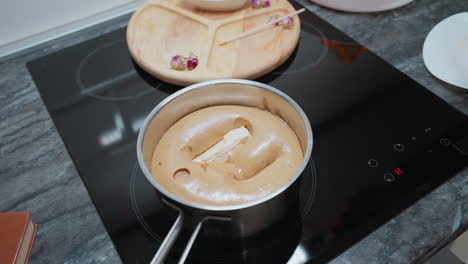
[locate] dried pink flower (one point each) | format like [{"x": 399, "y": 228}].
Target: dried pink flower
[
  {"x": 192, "y": 62},
  {"x": 266, "y": 3},
  {"x": 256, "y": 3},
  {"x": 287, "y": 22},
  {"x": 178, "y": 63}
]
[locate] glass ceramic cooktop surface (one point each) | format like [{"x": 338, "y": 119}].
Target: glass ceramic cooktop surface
[{"x": 381, "y": 141}]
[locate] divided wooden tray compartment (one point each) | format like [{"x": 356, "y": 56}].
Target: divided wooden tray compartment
[{"x": 161, "y": 29}]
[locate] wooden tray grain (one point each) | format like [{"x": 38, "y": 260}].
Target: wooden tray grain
[{"x": 161, "y": 29}]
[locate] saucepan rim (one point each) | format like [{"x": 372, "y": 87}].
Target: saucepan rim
[{"x": 168, "y": 100}]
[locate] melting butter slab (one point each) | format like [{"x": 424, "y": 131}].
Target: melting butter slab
[
  {"x": 220, "y": 151},
  {"x": 224, "y": 155}
]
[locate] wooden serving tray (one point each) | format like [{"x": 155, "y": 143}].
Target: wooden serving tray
[{"x": 161, "y": 29}]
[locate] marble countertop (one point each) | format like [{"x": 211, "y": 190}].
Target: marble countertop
[{"x": 37, "y": 174}]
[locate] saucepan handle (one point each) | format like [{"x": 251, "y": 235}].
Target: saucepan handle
[
  {"x": 195, "y": 234},
  {"x": 171, "y": 237},
  {"x": 190, "y": 242}
]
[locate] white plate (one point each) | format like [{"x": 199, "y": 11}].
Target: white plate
[
  {"x": 362, "y": 5},
  {"x": 445, "y": 51}
]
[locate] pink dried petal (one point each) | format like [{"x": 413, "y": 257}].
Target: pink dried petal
[
  {"x": 192, "y": 62},
  {"x": 256, "y": 3},
  {"x": 287, "y": 22},
  {"x": 266, "y": 3},
  {"x": 178, "y": 63},
  {"x": 273, "y": 17}
]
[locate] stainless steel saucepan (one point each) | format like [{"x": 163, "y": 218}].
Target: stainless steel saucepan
[{"x": 244, "y": 219}]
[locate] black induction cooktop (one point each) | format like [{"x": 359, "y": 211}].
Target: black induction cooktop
[{"x": 381, "y": 142}]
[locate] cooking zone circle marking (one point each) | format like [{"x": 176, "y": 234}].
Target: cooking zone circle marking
[
  {"x": 307, "y": 196},
  {"x": 303, "y": 54},
  {"x": 105, "y": 89}
]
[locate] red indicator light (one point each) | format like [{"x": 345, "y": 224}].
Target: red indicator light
[{"x": 398, "y": 171}]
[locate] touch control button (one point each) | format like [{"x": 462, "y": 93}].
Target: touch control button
[
  {"x": 445, "y": 142},
  {"x": 373, "y": 163},
  {"x": 388, "y": 177},
  {"x": 399, "y": 147},
  {"x": 398, "y": 171}
]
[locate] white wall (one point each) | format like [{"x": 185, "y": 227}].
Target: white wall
[{"x": 20, "y": 19}]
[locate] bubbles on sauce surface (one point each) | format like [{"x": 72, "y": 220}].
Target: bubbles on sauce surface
[
  {"x": 234, "y": 173},
  {"x": 242, "y": 122},
  {"x": 181, "y": 174}
]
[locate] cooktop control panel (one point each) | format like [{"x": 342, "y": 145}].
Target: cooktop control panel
[{"x": 420, "y": 153}]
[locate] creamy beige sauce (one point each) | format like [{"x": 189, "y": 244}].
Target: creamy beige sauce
[{"x": 261, "y": 164}]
